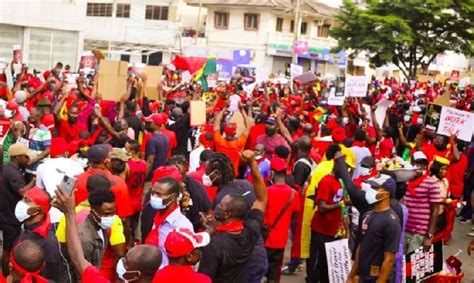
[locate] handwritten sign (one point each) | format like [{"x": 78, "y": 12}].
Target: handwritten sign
[
  {"x": 339, "y": 260},
  {"x": 455, "y": 75},
  {"x": 335, "y": 98},
  {"x": 456, "y": 122},
  {"x": 421, "y": 265},
  {"x": 356, "y": 86}
]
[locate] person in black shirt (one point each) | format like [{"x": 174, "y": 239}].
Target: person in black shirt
[
  {"x": 156, "y": 151},
  {"x": 35, "y": 208},
  {"x": 225, "y": 259},
  {"x": 15, "y": 184},
  {"x": 381, "y": 229},
  {"x": 181, "y": 119}
]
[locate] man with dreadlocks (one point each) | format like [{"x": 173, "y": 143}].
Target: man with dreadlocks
[{"x": 246, "y": 255}]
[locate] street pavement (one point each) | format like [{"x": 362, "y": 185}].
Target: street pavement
[{"x": 459, "y": 242}]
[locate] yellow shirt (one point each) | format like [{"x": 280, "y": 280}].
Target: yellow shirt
[{"x": 116, "y": 235}]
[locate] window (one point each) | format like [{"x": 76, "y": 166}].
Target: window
[
  {"x": 292, "y": 26},
  {"x": 123, "y": 11},
  {"x": 221, "y": 20},
  {"x": 304, "y": 28},
  {"x": 279, "y": 26},
  {"x": 251, "y": 21},
  {"x": 99, "y": 9},
  {"x": 323, "y": 31},
  {"x": 156, "y": 13}
]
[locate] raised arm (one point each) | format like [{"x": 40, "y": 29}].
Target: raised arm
[
  {"x": 106, "y": 124},
  {"x": 260, "y": 203},
  {"x": 357, "y": 195},
  {"x": 218, "y": 119}
]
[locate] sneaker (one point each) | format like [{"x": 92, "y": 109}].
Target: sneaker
[
  {"x": 464, "y": 221},
  {"x": 286, "y": 271},
  {"x": 470, "y": 234}
]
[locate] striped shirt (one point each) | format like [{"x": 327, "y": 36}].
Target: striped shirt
[
  {"x": 40, "y": 139},
  {"x": 418, "y": 205}
]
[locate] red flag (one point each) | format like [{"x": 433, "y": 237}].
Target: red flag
[{"x": 191, "y": 64}]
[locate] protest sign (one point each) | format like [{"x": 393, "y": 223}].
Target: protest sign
[
  {"x": 464, "y": 82},
  {"x": 433, "y": 114},
  {"x": 381, "y": 110},
  {"x": 198, "y": 112},
  {"x": 335, "y": 98},
  {"x": 212, "y": 80},
  {"x": 306, "y": 78},
  {"x": 17, "y": 59},
  {"x": 88, "y": 63},
  {"x": 443, "y": 99},
  {"x": 456, "y": 122},
  {"x": 186, "y": 77},
  {"x": 153, "y": 82},
  {"x": 339, "y": 260},
  {"x": 356, "y": 86},
  {"x": 455, "y": 75},
  {"x": 295, "y": 70},
  {"x": 421, "y": 265},
  {"x": 112, "y": 79},
  {"x": 248, "y": 73}
]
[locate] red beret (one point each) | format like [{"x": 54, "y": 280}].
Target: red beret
[
  {"x": 338, "y": 134},
  {"x": 166, "y": 171}
]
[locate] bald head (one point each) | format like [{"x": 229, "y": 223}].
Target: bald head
[
  {"x": 29, "y": 255},
  {"x": 304, "y": 144},
  {"x": 144, "y": 258},
  {"x": 308, "y": 129}
]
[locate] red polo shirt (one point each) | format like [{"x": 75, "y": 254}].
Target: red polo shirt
[
  {"x": 119, "y": 188},
  {"x": 182, "y": 274},
  {"x": 329, "y": 190},
  {"x": 278, "y": 196}
]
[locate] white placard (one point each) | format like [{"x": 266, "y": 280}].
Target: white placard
[
  {"x": 339, "y": 260},
  {"x": 456, "y": 122},
  {"x": 295, "y": 70},
  {"x": 334, "y": 98},
  {"x": 381, "y": 110},
  {"x": 356, "y": 86},
  {"x": 464, "y": 82},
  {"x": 186, "y": 77}
]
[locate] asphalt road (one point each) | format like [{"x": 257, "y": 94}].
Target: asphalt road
[{"x": 459, "y": 242}]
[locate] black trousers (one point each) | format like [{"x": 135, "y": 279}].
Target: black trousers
[
  {"x": 317, "y": 265},
  {"x": 275, "y": 261}
]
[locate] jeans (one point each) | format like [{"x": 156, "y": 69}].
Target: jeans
[
  {"x": 255, "y": 273},
  {"x": 317, "y": 265}
]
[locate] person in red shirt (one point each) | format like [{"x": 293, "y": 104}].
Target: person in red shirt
[
  {"x": 256, "y": 130},
  {"x": 139, "y": 264},
  {"x": 182, "y": 247},
  {"x": 199, "y": 175},
  {"x": 230, "y": 145},
  {"x": 283, "y": 201},
  {"x": 135, "y": 182},
  {"x": 326, "y": 223},
  {"x": 456, "y": 171},
  {"x": 441, "y": 146},
  {"x": 173, "y": 142}
]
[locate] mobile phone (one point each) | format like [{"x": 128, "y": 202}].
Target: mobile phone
[{"x": 68, "y": 183}]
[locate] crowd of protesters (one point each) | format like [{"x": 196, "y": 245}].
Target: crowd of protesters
[{"x": 110, "y": 191}]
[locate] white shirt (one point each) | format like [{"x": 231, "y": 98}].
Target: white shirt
[
  {"x": 194, "y": 158},
  {"x": 360, "y": 153},
  {"x": 49, "y": 175}
]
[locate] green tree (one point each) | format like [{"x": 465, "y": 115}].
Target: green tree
[{"x": 409, "y": 33}]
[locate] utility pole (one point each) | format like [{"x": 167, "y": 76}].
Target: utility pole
[
  {"x": 112, "y": 21},
  {"x": 198, "y": 22},
  {"x": 296, "y": 31}
]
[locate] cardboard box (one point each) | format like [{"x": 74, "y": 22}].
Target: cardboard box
[
  {"x": 112, "y": 87},
  {"x": 113, "y": 68},
  {"x": 153, "y": 83}
]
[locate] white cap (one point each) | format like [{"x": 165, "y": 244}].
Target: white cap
[
  {"x": 416, "y": 109},
  {"x": 20, "y": 96},
  {"x": 418, "y": 155}
]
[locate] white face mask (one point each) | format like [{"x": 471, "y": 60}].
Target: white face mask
[
  {"x": 206, "y": 180},
  {"x": 106, "y": 222},
  {"x": 21, "y": 211},
  {"x": 120, "y": 270},
  {"x": 345, "y": 120},
  {"x": 157, "y": 203},
  {"x": 371, "y": 196},
  {"x": 363, "y": 171}
]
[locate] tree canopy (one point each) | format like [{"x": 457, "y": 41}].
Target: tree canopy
[{"x": 409, "y": 33}]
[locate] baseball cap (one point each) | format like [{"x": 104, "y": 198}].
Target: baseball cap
[
  {"x": 20, "y": 96},
  {"x": 271, "y": 120},
  {"x": 155, "y": 118},
  {"x": 120, "y": 154},
  {"x": 419, "y": 155},
  {"x": 98, "y": 153},
  {"x": 339, "y": 134},
  {"x": 40, "y": 197},
  {"x": 383, "y": 181},
  {"x": 19, "y": 149},
  {"x": 278, "y": 164},
  {"x": 182, "y": 241}
]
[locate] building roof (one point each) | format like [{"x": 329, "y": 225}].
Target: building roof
[{"x": 307, "y": 6}]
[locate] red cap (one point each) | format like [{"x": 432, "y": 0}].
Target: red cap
[
  {"x": 166, "y": 171},
  {"x": 278, "y": 164},
  {"x": 155, "y": 118},
  {"x": 230, "y": 129},
  {"x": 338, "y": 134},
  {"x": 40, "y": 197},
  {"x": 47, "y": 74},
  {"x": 182, "y": 241}
]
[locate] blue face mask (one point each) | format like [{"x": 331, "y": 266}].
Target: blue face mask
[
  {"x": 419, "y": 121},
  {"x": 363, "y": 171},
  {"x": 157, "y": 203},
  {"x": 407, "y": 118},
  {"x": 371, "y": 196}
]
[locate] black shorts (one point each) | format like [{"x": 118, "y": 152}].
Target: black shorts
[{"x": 10, "y": 234}]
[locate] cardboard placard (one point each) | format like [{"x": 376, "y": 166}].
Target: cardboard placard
[
  {"x": 198, "y": 112},
  {"x": 113, "y": 68},
  {"x": 112, "y": 87},
  {"x": 423, "y": 78},
  {"x": 335, "y": 98},
  {"x": 306, "y": 78},
  {"x": 456, "y": 122},
  {"x": 356, "y": 86},
  {"x": 432, "y": 117},
  {"x": 339, "y": 260},
  {"x": 421, "y": 265},
  {"x": 153, "y": 82},
  {"x": 443, "y": 99}
]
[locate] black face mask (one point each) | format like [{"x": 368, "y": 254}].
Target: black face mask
[
  {"x": 270, "y": 131},
  {"x": 72, "y": 120}
]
